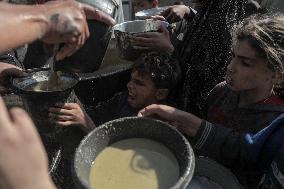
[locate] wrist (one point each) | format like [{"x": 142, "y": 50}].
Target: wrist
[
  {"x": 41, "y": 17},
  {"x": 191, "y": 123}
]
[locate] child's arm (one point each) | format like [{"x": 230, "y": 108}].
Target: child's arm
[{"x": 68, "y": 114}]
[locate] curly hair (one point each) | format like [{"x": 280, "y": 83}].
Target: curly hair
[
  {"x": 265, "y": 33},
  {"x": 162, "y": 68}
]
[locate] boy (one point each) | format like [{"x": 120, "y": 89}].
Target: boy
[{"x": 153, "y": 76}]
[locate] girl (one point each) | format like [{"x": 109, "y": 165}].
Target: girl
[{"x": 245, "y": 102}]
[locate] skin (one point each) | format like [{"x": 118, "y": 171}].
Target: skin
[
  {"x": 159, "y": 41},
  {"x": 141, "y": 90},
  {"x": 68, "y": 114},
  {"x": 54, "y": 22},
  {"x": 20, "y": 145},
  {"x": 176, "y": 13},
  {"x": 9, "y": 70},
  {"x": 6, "y": 71},
  {"x": 23, "y": 160},
  {"x": 247, "y": 74}
]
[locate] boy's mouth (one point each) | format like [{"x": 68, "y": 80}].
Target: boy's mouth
[{"x": 131, "y": 95}]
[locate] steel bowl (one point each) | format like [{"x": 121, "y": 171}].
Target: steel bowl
[
  {"x": 38, "y": 102},
  {"x": 144, "y": 14},
  {"x": 133, "y": 127},
  {"x": 127, "y": 30}
]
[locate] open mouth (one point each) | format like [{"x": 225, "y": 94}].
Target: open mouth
[{"x": 131, "y": 95}]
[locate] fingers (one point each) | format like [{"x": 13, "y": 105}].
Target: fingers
[
  {"x": 68, "y": 106},
  {"x": 60, "y": 111},
  {"x": 149, "y": 110},
  {"x": 93, "y": 13},
  {"x": 13, "y": 72},
  {"x": 24, "y": 123},
  {"x": 142, "y": 42},
  {"x": 64, "y": 123},
  {"x": 5, "y": 121},
  {"x": 59, "y": 117},
  {"x": 66, "y": 51},
  {"x": 158, "y": 17}
]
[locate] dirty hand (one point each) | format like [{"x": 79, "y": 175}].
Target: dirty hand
[
  {"x": 66, "y": 23},
  {"x": 154, "y": 40},
  {"x": 176, "y": 13},
  {"x": 183, "y": 121},
  {"x": 23, "y": 160},
  {"x": 68, "y": 114},
  {"x": 7, "y": 70}
]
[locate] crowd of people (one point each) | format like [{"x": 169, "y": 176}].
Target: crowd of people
[{"x": 238, "y": 123}]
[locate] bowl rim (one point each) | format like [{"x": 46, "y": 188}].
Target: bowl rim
[
  {"x": 183, "y": 180},
  {"x": 115, "y": 27},
  {"x": 20, "y": 90}
]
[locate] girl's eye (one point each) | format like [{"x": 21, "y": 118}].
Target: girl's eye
[{"x": 245, "y": 63}]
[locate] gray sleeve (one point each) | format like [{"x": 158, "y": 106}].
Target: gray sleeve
[{"x": 221, "y": 144}]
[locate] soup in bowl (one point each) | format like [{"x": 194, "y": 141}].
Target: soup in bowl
[{"x": 134, "y": 153}]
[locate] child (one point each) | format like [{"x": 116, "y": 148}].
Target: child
[
  {"x": 245, "y": 102},
  {"x": 153, "y": 76}
]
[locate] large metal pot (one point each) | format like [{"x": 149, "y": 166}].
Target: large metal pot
[
  {"x": 55, "y": 140},
  {"x": 38, "y": 102},
  {"x": 133, "y": 127},
  {"x": 126, "y": 30}
]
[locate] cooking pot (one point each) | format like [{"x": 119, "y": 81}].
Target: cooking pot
[
  {"x": 127, "y": 30},
  {"x": 132, "y": 127},
  {"x": 38, "y": 102}
]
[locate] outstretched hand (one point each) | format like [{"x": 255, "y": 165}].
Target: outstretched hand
[
  {"x": 159, "y": 41},
  {"x": 183, "y": 121},
  {"x": 23, "y": 160},
  {"x": 175, "y": 13},
  {"x": 68, "y": 114}
]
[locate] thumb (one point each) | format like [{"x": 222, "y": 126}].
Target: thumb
[{"x": 13, "y": 72}]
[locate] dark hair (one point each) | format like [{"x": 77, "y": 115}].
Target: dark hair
[
  {"x": 162, "y": 68},
  {"x": 265, "y": 33}
]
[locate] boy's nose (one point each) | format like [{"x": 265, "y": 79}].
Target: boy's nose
[{"x": 129, "y": 85}]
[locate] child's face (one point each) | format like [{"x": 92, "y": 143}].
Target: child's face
[
  {"x": 141, "y": 91},
  {"x": 247, "y": 71}
]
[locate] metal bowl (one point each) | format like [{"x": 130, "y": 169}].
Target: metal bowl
[
  {"x": 133, "y": 127},
  {"x": 38, "y": 102},
  {"x": 127, "y": 30},
  {"x": 144, "y": 14},
  {"x": 22, "y": 84}
]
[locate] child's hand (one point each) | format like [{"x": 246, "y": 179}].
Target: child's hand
[{"x": 68, "y": 114}]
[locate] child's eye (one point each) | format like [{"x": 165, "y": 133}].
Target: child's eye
[{"x": 244, "y": 63}]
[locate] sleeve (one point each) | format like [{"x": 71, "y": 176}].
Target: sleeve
[
  {"x": 222, "y": 144},
  {"x": 106, "y": 111}
]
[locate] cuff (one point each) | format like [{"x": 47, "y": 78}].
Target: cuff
[{"x": 202, "y": 135}]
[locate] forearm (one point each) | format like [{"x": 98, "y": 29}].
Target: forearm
[{"x": 21, "y": 24}]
